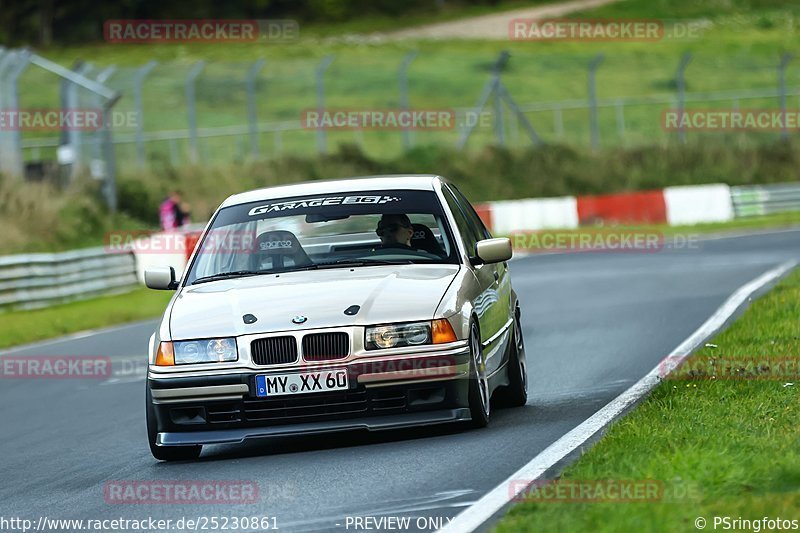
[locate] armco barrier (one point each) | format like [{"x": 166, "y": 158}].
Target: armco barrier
[
  {"x": 31, "y": 281},
  {"x": 754, "y": 200}
]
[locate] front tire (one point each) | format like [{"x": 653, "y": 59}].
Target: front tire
[
  {"x": 166, "y": 453},
  {"x": 480, "y": 404}
]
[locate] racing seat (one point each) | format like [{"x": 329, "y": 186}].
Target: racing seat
[
  {"x": 279, "y": 249},
  {"x": 423, "y": 239}
]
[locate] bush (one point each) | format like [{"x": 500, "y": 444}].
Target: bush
[{"x": 39, "y": 217}]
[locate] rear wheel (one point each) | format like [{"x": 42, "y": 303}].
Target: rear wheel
[
  {"x": 166, "y": 453},
  {"x": 515, "y": 394},
  {"x": 479, "y": 396}
]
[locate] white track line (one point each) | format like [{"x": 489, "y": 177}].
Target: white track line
[{"x": 496, "y": 499}]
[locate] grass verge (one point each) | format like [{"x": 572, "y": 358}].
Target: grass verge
[
  {"x": 22, "y": 327},
  {"x": 730, "y": 444}
]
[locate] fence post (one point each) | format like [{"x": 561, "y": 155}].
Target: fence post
[
  {"x": 785, "y": 58},
  {"x": 138, "y": 82},
  {"x": 6, "y": 57},
  {"x": 71, "y": 138},
  {"x": 621, "y": 119},
  {"x": 595, "y": 127},
  {"x": 558, "y": 123},
  {"x": 499, "y": 127},
  {"x": 13, "y": 164},
  {"x": 110, "y": 184},
  {"x": 402, "y": 82},
  {"x": 322, "y": 143},
  {"x": 493, "y": 85},
  {"x": 99, "y": 152},
  {"x": 680, "y": 82},
  {"x": 252, "y": 113},
  {"x": 190, "y": 106}
]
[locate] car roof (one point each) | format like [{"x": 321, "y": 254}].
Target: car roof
[{"x": 424, "y": 182}]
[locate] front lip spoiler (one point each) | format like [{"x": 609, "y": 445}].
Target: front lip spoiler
[{"x": 378, "y": 423}]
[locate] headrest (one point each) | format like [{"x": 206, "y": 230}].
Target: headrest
[{"x": 278, "y": 242}]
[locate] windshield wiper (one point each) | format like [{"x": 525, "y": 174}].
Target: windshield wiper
[{"x": 228, "y": 275}]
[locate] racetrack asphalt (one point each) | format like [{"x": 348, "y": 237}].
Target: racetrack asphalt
[{"x": 594, "y": 323}]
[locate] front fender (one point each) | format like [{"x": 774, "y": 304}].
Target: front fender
[{"x": 457, "y": 302}]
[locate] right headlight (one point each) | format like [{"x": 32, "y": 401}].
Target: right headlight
[{"x": 408, "y": 334}]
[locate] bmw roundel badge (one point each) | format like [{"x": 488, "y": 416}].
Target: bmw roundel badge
[{"x": 299, "y": 319}]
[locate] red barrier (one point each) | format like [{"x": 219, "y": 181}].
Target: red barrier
[
  {"x": 485, "y": 212},
  {"x": 191, "y": 241},
  {"x": 630, "y": 208}
]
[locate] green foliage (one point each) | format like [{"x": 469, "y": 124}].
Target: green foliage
[
  {"x": 21, "y": 327},
  {"x": 37, "y": 216}
]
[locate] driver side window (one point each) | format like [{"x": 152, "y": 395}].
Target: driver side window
[
  {"x": 467, "y": 230},
  {"x": 472, "y": 215}
]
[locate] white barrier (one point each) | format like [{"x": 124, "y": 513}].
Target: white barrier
[
  {"x": 694, "y": 204},
  {"x": 151, "y": 252},
  {"x": 534, "y": 214}
]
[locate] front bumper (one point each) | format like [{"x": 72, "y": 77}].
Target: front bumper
[{"x": 212, "y": 409}]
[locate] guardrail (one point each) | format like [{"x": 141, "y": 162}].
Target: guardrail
[
  {"x": 754, "y": 200},
  {"x": 32, "y": 281}
]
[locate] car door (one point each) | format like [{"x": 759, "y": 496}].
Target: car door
[
  {"x": 501, "y": 293},
  {"x": 486, "y": 302}
]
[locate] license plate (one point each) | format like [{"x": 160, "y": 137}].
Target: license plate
[{"x": 302, "y": 383}]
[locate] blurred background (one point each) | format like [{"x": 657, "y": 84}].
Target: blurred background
[{"x": 554, "y": 117}]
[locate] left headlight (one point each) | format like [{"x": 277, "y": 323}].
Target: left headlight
[
  {"x": 396, "y": 335},
  {"x": 199, "y": 351},
  {"x": 409, "y": 334}
]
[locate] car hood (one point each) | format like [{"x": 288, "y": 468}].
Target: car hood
[{"x": 390, "y": 293}]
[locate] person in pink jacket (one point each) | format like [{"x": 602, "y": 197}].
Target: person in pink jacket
[{"x": 173, "y": 212}]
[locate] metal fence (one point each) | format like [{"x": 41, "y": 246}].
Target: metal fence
[
  {"x": 76, "y": 89},
  {"x": 210, "y": 112},
  {"x": 38, "y": 280},
  {"x": 755, "y": 200}
]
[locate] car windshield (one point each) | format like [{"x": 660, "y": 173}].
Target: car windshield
[{"x": 324, "y": 231}]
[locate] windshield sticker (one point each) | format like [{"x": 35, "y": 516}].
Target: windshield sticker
[{"x": 317, "y": 202}]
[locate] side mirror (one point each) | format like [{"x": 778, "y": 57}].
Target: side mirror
[
  {"x": 160, "y": 278},
  {"x": 490, "y": 251}
]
